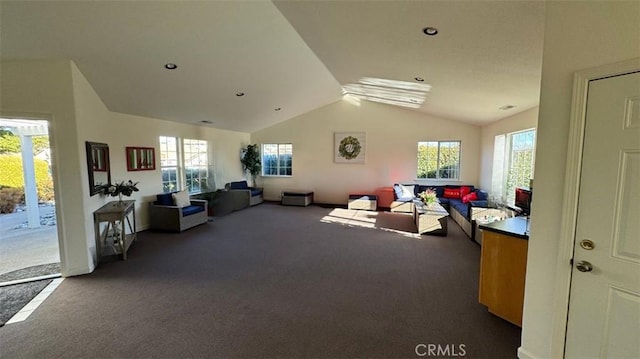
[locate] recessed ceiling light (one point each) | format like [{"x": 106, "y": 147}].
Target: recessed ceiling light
[
  {"x": 239, "y": 94},
  {"x": 170, "y": 66},
  {"x": 431, "y": 31},
  {"x": 506, "y": 107},
  {"x": 419, "y": 79},
  {"x": 206, "y": 121},
  {"x": 278, "y": 109}
]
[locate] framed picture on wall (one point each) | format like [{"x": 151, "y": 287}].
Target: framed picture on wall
[
  {"x": 349, "y": 147},
  {"x": 141, "y": 158}
]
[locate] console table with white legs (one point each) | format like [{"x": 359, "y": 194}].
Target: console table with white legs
[{"x": 120, "y": 230}]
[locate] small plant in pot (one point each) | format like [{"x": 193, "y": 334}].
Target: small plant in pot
[
  {"x": 120, "y": 189},
  {"x": 251, "y": 162},
  {"x": 428, "y": 196}
]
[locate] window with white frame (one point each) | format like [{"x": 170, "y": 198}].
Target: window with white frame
[
  {"x": 277, "y": 159},
  {"x": 513, "y": 163},
  {"x": 169, "y": 163},
  {"x": 196, "y": 163},
  {"x": 439, "y": 160},
  {"x": 184, "y": 164}
]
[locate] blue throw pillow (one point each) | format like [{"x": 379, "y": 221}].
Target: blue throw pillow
[
  {"x": 239, "y": 185},
  {"x": 439, "y": 191},
  {"x": 482, "y": 195},
  {"x": 164, "y": 199}
]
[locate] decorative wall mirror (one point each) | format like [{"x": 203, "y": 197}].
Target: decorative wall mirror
[
  {"x": 141, "y": 159},
  {"x": 98, "y": 166}
]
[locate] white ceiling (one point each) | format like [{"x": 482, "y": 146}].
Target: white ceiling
[{"x": 294, "y": 55}]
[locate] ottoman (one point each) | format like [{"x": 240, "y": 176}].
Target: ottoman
[
  {"x": 368, "y": 202},
  {"x": 297, "y": 198}
]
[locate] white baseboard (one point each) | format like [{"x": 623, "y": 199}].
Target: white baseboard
[
  {"x": 524, "y": 354},
  {"x": 77, "y": 271}
]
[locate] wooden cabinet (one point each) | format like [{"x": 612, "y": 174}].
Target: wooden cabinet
[{"x": 503, "y": 268}]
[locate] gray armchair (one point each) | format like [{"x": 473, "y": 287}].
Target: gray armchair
[
  {"x": 163, "y": 215},
  {"x": 254, "y": 194}
]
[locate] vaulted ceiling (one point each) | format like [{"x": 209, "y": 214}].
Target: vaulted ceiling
[{"x": 286, "y": 57}]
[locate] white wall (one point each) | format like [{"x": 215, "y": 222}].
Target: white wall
[
  {"x": 57, "y": 91},
  {"x": 521, "y": 121},
  {"x": 144, "y": 132},
  {"x": 578, "y": 35},
  {"x": 93, "y": 124},
  {"x": 96, "y": 123},
  {"x": 44, "y": 90},
  {"x": 392, "y": 135}
]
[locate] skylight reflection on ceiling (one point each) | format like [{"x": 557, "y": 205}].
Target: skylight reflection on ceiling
[{"x": 392, "y": 92}]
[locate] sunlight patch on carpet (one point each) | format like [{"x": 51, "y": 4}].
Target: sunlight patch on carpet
[{"x": 391, "y": 222}]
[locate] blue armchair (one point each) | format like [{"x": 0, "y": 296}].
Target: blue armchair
[
  {"x": 166, "y": 215},
  {"x": 254, "y": 194}
]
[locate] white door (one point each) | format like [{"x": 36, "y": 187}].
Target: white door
[{"x": 604, "y": 304}]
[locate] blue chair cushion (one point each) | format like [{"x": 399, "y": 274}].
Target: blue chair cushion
[
  {"x": 238, "y": 185},
  {"x": 483, "y": 203},
  {"x": 482, "y": 195},
  {"x": 463, "y": 208},
  {"x": 164, "y": 199},
  {"x": 256, "y": 192},
  {"x": 189, "y": 210}
]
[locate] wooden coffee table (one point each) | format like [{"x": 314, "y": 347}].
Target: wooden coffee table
[{"x": 430, "y": 219}]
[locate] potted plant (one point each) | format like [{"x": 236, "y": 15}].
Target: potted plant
[
  {"x": 122, "y": 188},
  {"x": 428, "y": 196},
  {"x": 251, "y": 162}
]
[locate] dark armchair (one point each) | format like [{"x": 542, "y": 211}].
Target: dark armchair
[
  {"x": 254, "y": 193},
  {"x": 166, "y": 215}
]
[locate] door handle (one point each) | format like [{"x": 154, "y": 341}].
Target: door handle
[{"x": 584, "y": 266}]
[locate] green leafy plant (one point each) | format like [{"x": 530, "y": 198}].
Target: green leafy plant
[
  {"x": 12, "y": 175},
  {"x": 251, "y": 162},
  {"x": 428, "y": 196},
  {"x": 10, "y": 143},
  {"x": 122, "y": 188}
]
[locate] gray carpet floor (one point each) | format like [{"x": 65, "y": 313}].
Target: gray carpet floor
[{"x": 273, "y": 282}]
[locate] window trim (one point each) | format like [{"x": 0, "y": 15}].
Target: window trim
[
  {"x": 508, "y": 160},
  {"x": 206, "y": 166},
  {"x": 178, "y": 142},
  {"x": 181, "y": 175},
  {"x": 262, "y": 171},
  {"x": 440, "y": 179}
]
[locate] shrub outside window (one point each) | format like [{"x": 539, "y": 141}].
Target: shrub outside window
[
  {"x": 439, "y": 160},
  {"x": 195, "y": 165},
  {"x": 277, "y": 159},
  {"x": 169, "y": 163},
  {"x": 513, "y": 163},
  {"x": 185, "y": 166},
  {"x": 520, "y": 162}
]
